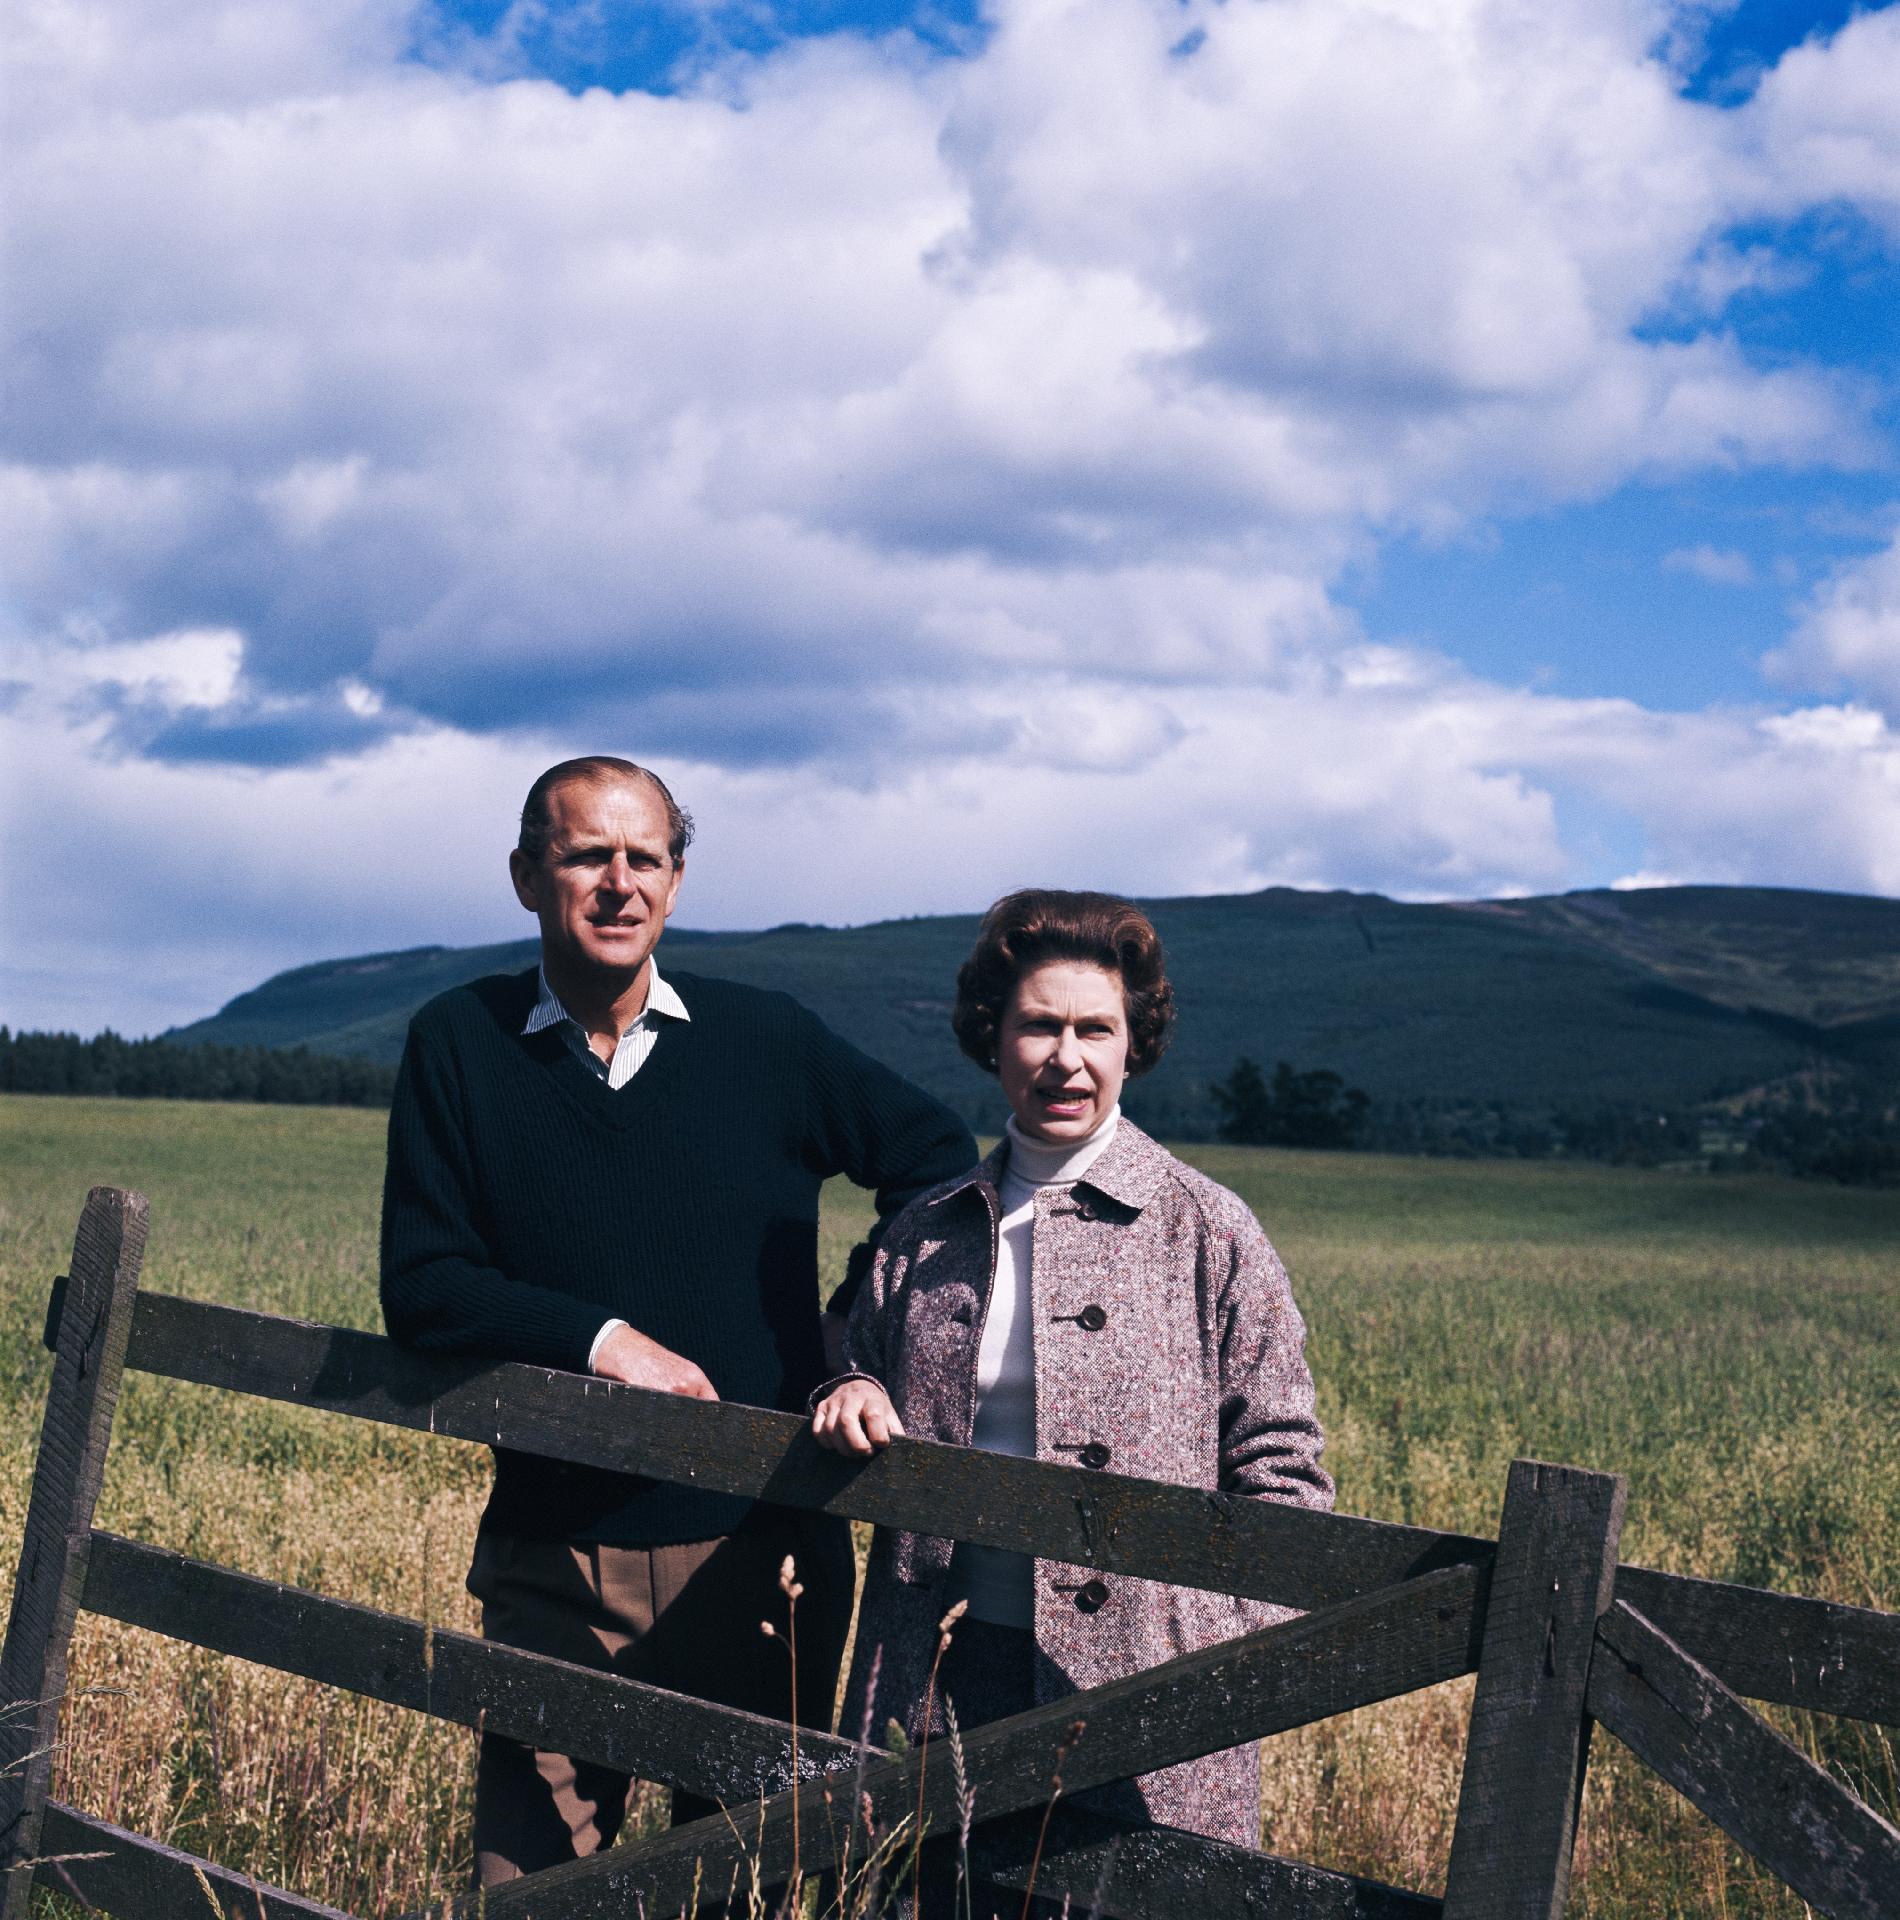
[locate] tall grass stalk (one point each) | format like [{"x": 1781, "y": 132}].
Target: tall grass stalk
[
  {"x": 966, "y": 1808},
  {"x": 945, "y": 1628},
  {"x": 790, "y": 1585}
]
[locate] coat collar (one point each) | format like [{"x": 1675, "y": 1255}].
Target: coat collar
[{"x": 1129, "y": 1170}]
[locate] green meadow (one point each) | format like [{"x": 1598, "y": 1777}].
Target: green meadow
[{"x": 1728, "y": 1343}]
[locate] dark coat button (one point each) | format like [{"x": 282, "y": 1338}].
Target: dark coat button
[
  {"x": 1095, "y": 1454},
  {"x": 1089, "y": 1597},
  {"x": 1091, "y": 1319}
]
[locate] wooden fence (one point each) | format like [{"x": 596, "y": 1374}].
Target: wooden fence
[{"x": 1560, "y": 1635}]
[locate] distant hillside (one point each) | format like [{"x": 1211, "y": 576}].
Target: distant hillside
[{"x": 1670, "y": 997}]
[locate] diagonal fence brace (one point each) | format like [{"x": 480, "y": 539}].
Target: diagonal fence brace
[
  {"x": 111, "y": 1870},
  {"x": 1769, "y": 1798},
  {"x": 1352, "y": 1655},
  {"x": 1097, "y": 1863}
]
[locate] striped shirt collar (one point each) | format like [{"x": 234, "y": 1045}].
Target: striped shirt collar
[
  {"x": 661, "y": 998},
  {"x": 634, "y": 1046}
]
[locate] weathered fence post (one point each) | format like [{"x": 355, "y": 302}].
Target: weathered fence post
[
  {"x": 94, "y": 1326},
  {"x": 1524, "y": 1760}
]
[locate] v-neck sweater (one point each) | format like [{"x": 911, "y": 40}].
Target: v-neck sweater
[{"x": 526, "y": 1201}]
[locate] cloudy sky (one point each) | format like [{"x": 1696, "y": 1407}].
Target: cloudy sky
[{"x": 1449, "y": 447}]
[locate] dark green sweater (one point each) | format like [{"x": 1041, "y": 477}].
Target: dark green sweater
[{"x": 526, "y": 1203}]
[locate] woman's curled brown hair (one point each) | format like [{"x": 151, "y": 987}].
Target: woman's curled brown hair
[{"x": 1026, "y": 929}]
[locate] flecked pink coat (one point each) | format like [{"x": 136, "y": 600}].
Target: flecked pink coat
[{"x": 1191, "y": 1370}]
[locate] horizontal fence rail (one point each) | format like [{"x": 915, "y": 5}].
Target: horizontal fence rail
[
  {"x": 1560, "y": 1635},
  {"x": 1352, "y": 1655},
  {"x": 1794, "y": 1651},
  {"x": 1260, "y": 1549},
  {"x": 718, "y": 1752}
]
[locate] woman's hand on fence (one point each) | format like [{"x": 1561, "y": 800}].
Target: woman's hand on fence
[
  {"x": 640, "y": 1362},
  {"x": 856, "y": 1419}
]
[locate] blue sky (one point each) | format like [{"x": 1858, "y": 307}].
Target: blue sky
[
  {"x": 1436, "y": 446},
  {"x": 659, "y": 47},
  {"x": 1671, "y": 591}
]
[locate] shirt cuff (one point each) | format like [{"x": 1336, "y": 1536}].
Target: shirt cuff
[{"x": 600, "y": 1340}]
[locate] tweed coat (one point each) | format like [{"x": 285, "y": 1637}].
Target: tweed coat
[{"x": 1192, "y": 1371}]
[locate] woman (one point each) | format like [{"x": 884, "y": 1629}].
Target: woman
[{"x": 1082, "y": 1297}]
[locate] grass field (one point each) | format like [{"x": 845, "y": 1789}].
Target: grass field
[{"x": 1729, "y": 1344}]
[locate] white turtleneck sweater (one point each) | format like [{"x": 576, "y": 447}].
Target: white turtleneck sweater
[{"x": 997, "y": 1584}]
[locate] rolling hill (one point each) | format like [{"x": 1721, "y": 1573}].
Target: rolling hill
[{"x": 1673, "y": 997}]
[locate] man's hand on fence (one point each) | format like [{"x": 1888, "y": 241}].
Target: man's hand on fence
[
  {"x": 858, "y": 1418},
  {"x": 640, "y": 1362}
]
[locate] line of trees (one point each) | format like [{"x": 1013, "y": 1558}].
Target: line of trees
[
  {"x": 1311, "y": 1109},
  {"x": 1851, "y": 1135},
  {"x": 160, "y": 1070},
  {"x": 1853, "y": 1138},
  {"x": 1629, "y": 1135}
]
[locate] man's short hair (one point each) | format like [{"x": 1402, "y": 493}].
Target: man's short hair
[{"x": 537, "y": 824}]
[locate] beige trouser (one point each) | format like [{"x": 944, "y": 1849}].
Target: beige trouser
[{"x": 683, "y": 1617}]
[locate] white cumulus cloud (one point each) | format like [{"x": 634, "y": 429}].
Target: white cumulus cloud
[
  {"x": 1849, "y": 632},
  {"x": 1826, "y": 121}
]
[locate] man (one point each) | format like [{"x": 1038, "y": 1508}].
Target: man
[{"x": 597, "y": 1169}]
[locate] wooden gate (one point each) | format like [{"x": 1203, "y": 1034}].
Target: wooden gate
[{"x": 1560, "y": 1635}]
